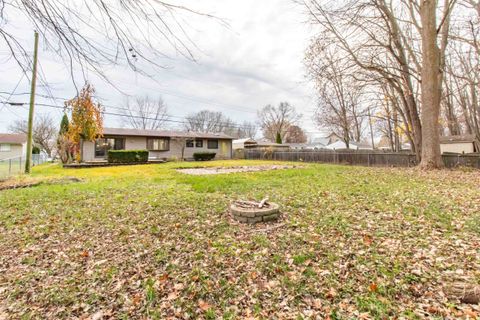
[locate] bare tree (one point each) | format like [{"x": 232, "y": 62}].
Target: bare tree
[
  {"x": 44, "y": 132},
  {"x": 247, "y": 130},
  {"x": 93, "y": 34},
  {"x": 340, "y": 106},
  {"x": 210, "y": 121},
  {"x": 244, "y": 130},
  {"x": 275, "y": 120},
  {"x": 396, "y": 45},
  {"x": 376, "y": 37},
  {"x": 432, "y": 66},
  {"x": 145, "y": 113}
]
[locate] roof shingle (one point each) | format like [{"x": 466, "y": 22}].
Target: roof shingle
[
  {"x": 13, "y": 138},
  {"x": 162, "y": 133}
]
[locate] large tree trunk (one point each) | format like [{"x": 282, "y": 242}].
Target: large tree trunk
[{"x": 431, "y": 90}]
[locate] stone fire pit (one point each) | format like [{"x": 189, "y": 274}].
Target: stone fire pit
[{"x": 253, "y": 212}]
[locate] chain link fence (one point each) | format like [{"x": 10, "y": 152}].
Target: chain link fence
[{"x": 14, "y": 166}]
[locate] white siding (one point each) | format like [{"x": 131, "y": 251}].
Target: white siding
[
  {"x": 460, "y": 147},
  {"x": 16, "y": 150}
]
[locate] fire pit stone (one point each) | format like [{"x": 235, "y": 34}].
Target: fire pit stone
[{"x": 253, "y": 212}]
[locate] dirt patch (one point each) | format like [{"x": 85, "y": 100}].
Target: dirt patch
[{"x": 224, "y": 170}]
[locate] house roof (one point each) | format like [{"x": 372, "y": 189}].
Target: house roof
[
  {"x": 458, "y": 139},
  {"x": 13, "y": 138},
  {"x": 321, "y": 140},
  {"x": 246, "y": 140},
  {"x": 162, "y": 133}
]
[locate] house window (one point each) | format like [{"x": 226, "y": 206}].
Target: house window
[
  {"x": 158, "y": 144},
  {"x": 102, "y": 145},
  {"x": 189, "y": 143},
  {"x": 198, "y": 143},
  {"x": 4, "y": 147},
  {"x": 212, "y": 144}
]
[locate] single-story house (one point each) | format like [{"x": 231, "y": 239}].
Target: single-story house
[
  {"x": 242, "y": 143},
  {"x": 161, "y": 144},
  {"x": 467, "y": 143},
  {"x": 355, "y": 145},
  {"x": 12, "y": 145}
]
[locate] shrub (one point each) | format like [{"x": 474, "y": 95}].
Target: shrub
[
  {"x": 203, "y": 156},
  {"x": 127, "y": 156}
]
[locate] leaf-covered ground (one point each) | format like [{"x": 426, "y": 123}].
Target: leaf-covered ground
[{"x": 147, "y": 242}]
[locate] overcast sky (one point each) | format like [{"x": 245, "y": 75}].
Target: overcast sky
[{"x": 255, "y": 61}]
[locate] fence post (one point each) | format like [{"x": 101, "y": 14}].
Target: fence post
[{"x": 368, "y": 159}]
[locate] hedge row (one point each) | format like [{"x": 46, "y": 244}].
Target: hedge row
[
  {"x": 203, "y": 156},
  {"x": 127, "y": 156}
]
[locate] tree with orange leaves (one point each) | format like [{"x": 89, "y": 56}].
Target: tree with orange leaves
[{"x": 86, "y": 122}]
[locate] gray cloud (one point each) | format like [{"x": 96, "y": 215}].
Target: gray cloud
[{"x": 255, "y": 61}]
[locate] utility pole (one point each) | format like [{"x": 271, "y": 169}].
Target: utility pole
[{"x": 28, "y": 161}]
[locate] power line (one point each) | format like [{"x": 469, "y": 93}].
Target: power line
[
  {"x": 54, "y": 99},
  {"x": 14, "y": 89},
  {"x": 227, "y": 125},
  {"x": 50, "y": 96}
]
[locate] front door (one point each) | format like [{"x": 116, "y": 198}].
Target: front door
[{"x": 224, "y": 149}]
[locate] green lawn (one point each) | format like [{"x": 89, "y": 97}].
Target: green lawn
[{"x": 148, "y": 242}]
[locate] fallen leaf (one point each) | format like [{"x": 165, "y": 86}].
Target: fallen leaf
[{"x": 203, "y": 305}]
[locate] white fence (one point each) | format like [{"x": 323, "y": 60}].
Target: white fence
[{"x": 14, "y": 166}]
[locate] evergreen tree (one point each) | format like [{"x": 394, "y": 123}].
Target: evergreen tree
[
  {"x": 64, "y": 124},
  {"x": 278, "y": 139}
]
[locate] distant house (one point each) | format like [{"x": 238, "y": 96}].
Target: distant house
[
  {"x": 12, "y": 145},
  {"x": 298, "y": 146},
  {"x": 160, "y": 144},
  {"x": 242, "y": 143},
  {"x": 460, "y": 144},
  {"x": 355, "y": 145},
  {"x": 321, "y": 142}
]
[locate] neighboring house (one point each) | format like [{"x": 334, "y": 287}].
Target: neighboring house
[
  {"x": 12, "y": 145},
  {"x": 355, "y": 145},
  {"x": 242, "y": 143},
  {"x": 322, "y": 142},
  {"x": 160, "y": 144},
  {"x": 460, "y": 144}
]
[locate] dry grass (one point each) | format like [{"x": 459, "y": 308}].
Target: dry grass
[{"x": 149, "y": 242}]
